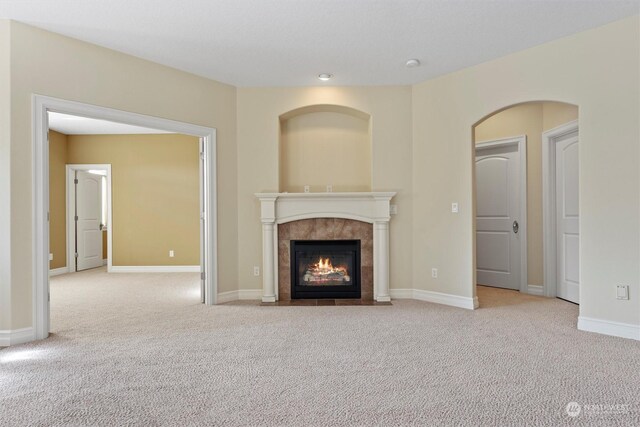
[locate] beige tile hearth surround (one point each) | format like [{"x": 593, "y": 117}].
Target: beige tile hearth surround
[{"x": 325, "y": 229}]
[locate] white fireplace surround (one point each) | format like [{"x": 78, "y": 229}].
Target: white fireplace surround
[{"x": 279, "y": 208}]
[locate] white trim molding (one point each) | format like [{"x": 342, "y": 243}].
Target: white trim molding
[
  {"x": 279, "y": 208},
  {"x": 41, "y": 106},
  {"x": 436, "y": 297},
  {"x": 549, "y": 138},
  {"x": 521, "y": 143},
  {"x": 608, "y": 327},
  {"x": 16, "y": 336},
  {"x": 58, "y": 271},
  {"x": 240, "y": 295},
  {"x": 155, "y": 269},
  {"x": 537, "y": 290}
]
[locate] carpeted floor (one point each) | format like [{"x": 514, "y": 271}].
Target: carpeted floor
[{"x": 139, "y": 349}]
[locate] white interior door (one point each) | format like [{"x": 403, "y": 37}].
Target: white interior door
[
  {"x": 88, "y": 216},
  {"x": 567, "y": 218},
  {"x": 498, "y": 204}
]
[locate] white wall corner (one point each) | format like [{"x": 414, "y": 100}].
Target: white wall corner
[
  {"x": 17, "y": 336},
  {"x": 58, "y": 271},
  {"x": 535, "y": 290},
  {"x": 608, "y": 327}
]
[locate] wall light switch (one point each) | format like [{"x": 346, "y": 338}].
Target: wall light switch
[
  {"x": 50, "y": 257},
  {"x": 256, "y": 270},
  {"x": 329, "y": 188},
  {"x": 454, "y": 207},
  {"x": 171, "y": 254},
  {"x": 622, "y": 292},
  {"x": 393, "y": 209},
  {"x": 306, "y": 189},
  {"x": 434, "y": 273}
]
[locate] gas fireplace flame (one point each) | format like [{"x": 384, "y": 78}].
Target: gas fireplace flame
[{"x": 324, "y": 266}]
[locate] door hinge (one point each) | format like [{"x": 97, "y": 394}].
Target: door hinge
[
  {"x": 202, "y": 155},
  {"x": 76, "y": 255},
  {"x": 49, "y": 296},
  {"x": 75, "y": 218},
  {"x": 47, "y": 216},
  {"x": 202, "y": 275},
  {"x": 75, "y": 181}
]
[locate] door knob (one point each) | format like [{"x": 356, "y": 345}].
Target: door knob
[{"x": 516, "y": 226}]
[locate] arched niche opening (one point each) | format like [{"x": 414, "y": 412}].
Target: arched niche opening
[
  {"x": 530, "y": 132},
  {"x": 325, "y": 145}
]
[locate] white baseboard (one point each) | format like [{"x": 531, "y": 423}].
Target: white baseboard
[
  {"x": 17, "y": 336},
  {"x": 608, "y": 327},
  {"x": 535, "y": 290},
  {"x": 435, "y": 297},
  {"x": 155, "y": 269},
  {"x": 242, "y": 294},
  {"x": 58, "y": 271}
]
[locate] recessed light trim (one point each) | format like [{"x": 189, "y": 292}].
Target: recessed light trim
[
  {"x": 325, "y": 76},
  {"x": 412, "y": 63}
]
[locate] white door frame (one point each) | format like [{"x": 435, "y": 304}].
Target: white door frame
[
  {"x": 520, "y": 142},
  {"x": 549, "y": 139},
  {"x": 71, "y": 201},
  {"x": 41, "y": 105}
]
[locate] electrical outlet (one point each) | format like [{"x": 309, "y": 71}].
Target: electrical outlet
[
  {"x": 171, "y": 254},
  {"x": 256, "y": 270},
  {"x": 393, "y": 209},
  {"x": 306, "y": 189},
  {"x": 434, "y": 273},
  {"x": 622, "y": 292},
  {"x": 454, "y": 207},
  {"x": 50, "y": 257},
  {"x": 329, "y": 188}
]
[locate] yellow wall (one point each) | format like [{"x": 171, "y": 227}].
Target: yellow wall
[
  {"x": 259, "y": 110},
  {"x": 57, "y": 199},
  {"x": 325, "y": 148},
  {"x": 87, "y": 73},
  {"x": 529, "y": 119},
  {"x": 155, "y": 186},
  {"x": 596, "y": 70}
]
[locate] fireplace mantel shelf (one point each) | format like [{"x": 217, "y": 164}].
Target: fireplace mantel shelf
[{"x": 279, "y": 208}]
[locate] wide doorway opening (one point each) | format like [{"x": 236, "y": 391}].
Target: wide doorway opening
[
  {"x": 526, "y": 193},
  {"x": 120, "y": 193}
]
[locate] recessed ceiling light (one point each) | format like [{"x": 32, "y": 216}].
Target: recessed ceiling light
[
  {"x": 325, "y": 76},
  {"x": 412, "y": 63}
]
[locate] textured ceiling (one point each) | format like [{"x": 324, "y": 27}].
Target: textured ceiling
[{"x": 288, "y": 42}]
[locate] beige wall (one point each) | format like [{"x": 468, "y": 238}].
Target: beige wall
[
  {"x": 325, "y": 148},
  {"x": 57, "y": 199},
  {"x": 49, "y": 64},
  {"x": 259, "y": 110},
  {"x": 155, "y": 186},
  {"x": 529, "y": 119},
  {"x": 596, "y": 70},
  {"x": 5, "y": 177}
]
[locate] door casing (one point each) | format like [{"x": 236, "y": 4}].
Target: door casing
[
  {"x": 549, "y": 209},
  {"x": 71, "y": 197},
  {"x": 41, "y": 105}
]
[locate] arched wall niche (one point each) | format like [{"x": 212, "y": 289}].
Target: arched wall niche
[{"x": 325, "y": 145}]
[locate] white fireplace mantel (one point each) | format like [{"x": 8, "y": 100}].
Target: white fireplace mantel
[{"x": 279, "y": 208}]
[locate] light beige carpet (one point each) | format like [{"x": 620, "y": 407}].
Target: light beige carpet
[{"x": 139, "y": 349}]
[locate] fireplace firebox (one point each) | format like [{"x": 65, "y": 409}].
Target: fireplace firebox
[{"x": 325, "y": 269}]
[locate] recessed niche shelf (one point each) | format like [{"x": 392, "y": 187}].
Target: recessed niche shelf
[{"x": 324, "y": 145}]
